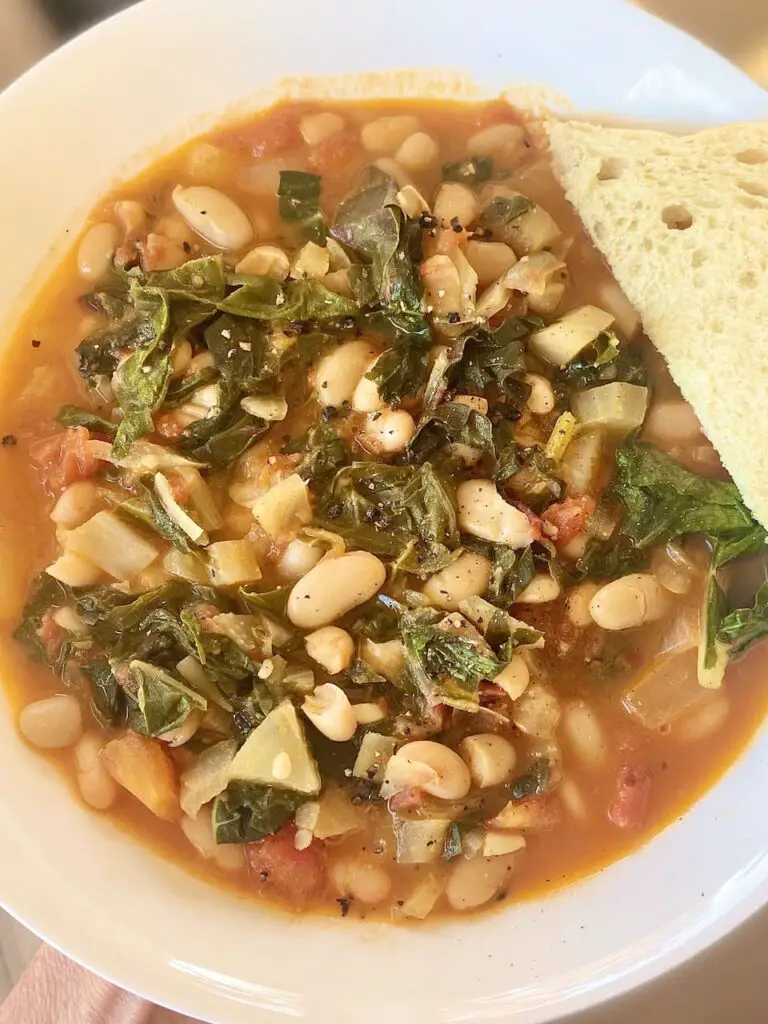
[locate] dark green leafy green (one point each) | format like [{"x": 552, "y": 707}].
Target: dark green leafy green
[
  {"x": 481, "y": 359},
  {"x": 108, "y": 701},
  {"x": 401, "y": 512},
  {"x": 535, "y": 781},
  {"x": 445, "y": 665},
  {"x": 452, "y": 423},
  {"x": 472, "y": 171},
  {"x": 262, "y": 298},
  {"x": 299, "y": 202},
  {"x": 323, "y": 450},
  {"x": 503, "y": 210},
  {"x": 46, "y": 593},
  {"x": 156, "y": 701},
  {"x": 663, "y": 500},
  {"x": 72, "y": 416},
  {"x": 602, "y": 362},
  {"x": 147, "y": 508},
  {"x": 744, "y": 626},
  {"x": 511, "y": 571},
  {"x": 247, "y": 812},
  {"x": 198, "y": 281}
]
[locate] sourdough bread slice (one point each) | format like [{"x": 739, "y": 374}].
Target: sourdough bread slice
[{"x": 683, "y": 224}]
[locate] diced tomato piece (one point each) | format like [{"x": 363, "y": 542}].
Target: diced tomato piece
[
  {"x": 633, "y": 794},
  {"x": 274, "y": 134},
  {"x": 567, "y": 519},
  {"x": 168, "y": 426},
  {"x": 65, "y": 458},
  {"x": 52, "y": 635},
  {"x": 297, "y": 875},
  {"x": 335, "y": 152},
  {"x": 407, "y": 799},
  {"x": 179, "y": 488}
]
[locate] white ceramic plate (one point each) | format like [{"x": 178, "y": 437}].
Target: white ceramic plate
[{"x": 67, "y": 128}]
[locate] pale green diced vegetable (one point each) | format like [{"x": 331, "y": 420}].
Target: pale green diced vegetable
[
  {"x": 561, "y": 436},
  {"x": 201, "y": 499},
  {"x": 190, "y": 669},
  {"x": 531, "y": 232},
  {"x": 232, "y": 562},
  {"x": 583, "y": 460},
  {"x": 420, "y": 841},
  {"x": 332, "y": 815},
  {"x": 186, "y": 566},
  {"x": 619, "y": 406},
  {"x": 206, "y": 777},
  {"x": 665, "y": 690},
  {"x": 561, "y": 342},
  {"x": 277, "y": 753},
  {"x": 176, "y": 513},
  {"x": 421, "y": 900},
  {"x": 267, "y": 407},
  {"x": 244, "y": 630},
  {"x": 74, "y": 570},
  {"x": 146, "y": 457},
  {"x": 373, "y": 756},
  {"x": 285, "y": 507},
  {"x": 107, "y": 541}
]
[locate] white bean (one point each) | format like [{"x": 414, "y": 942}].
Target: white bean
[
  {"x": 77, "y": 503},
  {"x": 672, "y": 423},
  {"x": 514, "y": 677},
  {"x": 542, "y": 589},
  {"x": 490, "y": 757},
  {"x": 537, "y": 712},
  {"x": 266, "y": 261},
  {"x": 298, "y": 558},
  {"x": 485, "y": 514},
  {"x": 577, "y": 604},
  {"x": 489, "y": 260},
  {"x": 467, "y": 577},
  {"x": 475, "y": 882},
  {"x": 412, "y": 202},
  {"x": 385, "y": 135},
  {"x": 390, "y": 431},
  {"x": 96, "y": 251},
  {"x": 73, "y": 570},
  {"x": 329, "y": 710},
  {"x": 261, "y": 179},
  {"x": 431, "y": 766},
  {"x": 316, "y": 128},
  {"x": 199, "y": 832},
  {"x": 542, "y": 398},
  {"x": 418, "y": 152},
  {"x": 331, "y": 647},
  {"x": 96, "y": 786},
  {"x": 214, "y": 216},
  {"x": 496, "y": 139},
  {"x": 339, "y": 373},
  {"x": 394, "y": 170},
  {"x": 53, "y": 722},
  {"x": 455, "y": 201},
  {"x": 628, "y": 602},
  {"x": 366, "y": 397},
  {"x": 361, "y": 880},
  {"x": 704, "y": 721},
  {"x": 334, "y": 587},
  {"x": 573, "y": 800},
  {"x": 131, "y": 214},
  {"x": 583, "y": 731}
]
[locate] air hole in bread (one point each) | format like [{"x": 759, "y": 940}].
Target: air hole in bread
[
  {"x": 677, "y": 217},
  {"x": 749, "y": 202},
  {"x": 752, "y": 156},
  {"x": 611, "y": 169},
  {"x": 748, "y": 279},
  {"x": 599, "y": 230},
  {"x": 753, "y": 188},
  {"x": 698, "y": 258}
]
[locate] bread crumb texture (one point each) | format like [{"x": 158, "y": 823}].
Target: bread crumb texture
[{"x": 683, "y": 223}]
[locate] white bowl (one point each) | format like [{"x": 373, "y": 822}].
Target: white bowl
[{"x": 158, "y": 72}]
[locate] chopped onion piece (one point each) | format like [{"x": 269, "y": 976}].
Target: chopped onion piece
[{"x": 618, "y": 406}]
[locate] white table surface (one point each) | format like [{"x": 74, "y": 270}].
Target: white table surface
[{"x": 728, "y": 982}]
